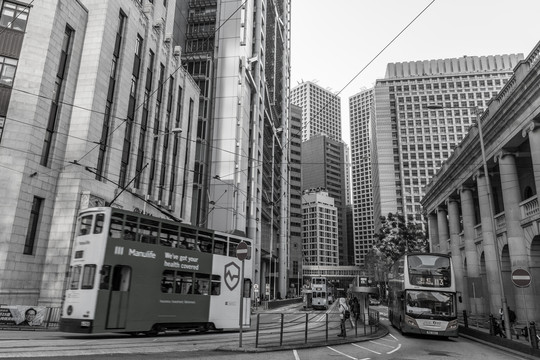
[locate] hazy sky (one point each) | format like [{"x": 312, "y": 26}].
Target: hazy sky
[{"x": 333, "y": 40}]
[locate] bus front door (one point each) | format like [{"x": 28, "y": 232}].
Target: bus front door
[{"x": 119, "y": 296}]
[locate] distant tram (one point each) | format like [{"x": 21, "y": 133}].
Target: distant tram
[
  {"x": 133, "y": 273},
  {"x": 319, "y": 298}
]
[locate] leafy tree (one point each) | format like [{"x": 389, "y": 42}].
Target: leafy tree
[{"x": 398, "y": 236}]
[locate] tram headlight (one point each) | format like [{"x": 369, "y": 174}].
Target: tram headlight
[
  {"x": 452, "y": 325},
  {"x": 411, "y": 321},
  {"x": 85, "y": 324}
]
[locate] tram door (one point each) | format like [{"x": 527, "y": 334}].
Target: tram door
[{"x": 119, "y": 296}]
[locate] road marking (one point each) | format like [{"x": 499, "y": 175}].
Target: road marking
[
  {"x": 374, "y": 342},
  {"x": 395, "y": 338},
  {"x": 350, "y": 357},
  {"x": 396, "y": 349},
  {"x": 295, "y": 353},
  {"x": 361, "y": 347}
]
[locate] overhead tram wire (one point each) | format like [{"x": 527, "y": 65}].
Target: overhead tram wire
[{"x": 372, "y": 60}]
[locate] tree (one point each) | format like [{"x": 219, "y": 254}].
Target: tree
[{"x": 397, "y": 236}]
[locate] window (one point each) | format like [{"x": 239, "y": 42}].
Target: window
[
  {"x": 33, "y": 224},
  {"x": 89, "y": 274},
  {"x": 75, "y": 277},
  {"x": 7, "y": 70},
  {"x": 14, "y": 16}
]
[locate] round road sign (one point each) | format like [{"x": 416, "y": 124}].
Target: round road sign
[
  {"x": 242, "y": 251},
  {"x": 521, "y": 278}
]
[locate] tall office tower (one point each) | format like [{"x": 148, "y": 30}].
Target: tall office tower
[
  {"x": 96, "y": 110},
  {"x": 409, "y": 141},
  {"x": 360, "y": 107},
  {"x": 238, "y": 53},
  {"x": 319, "y": 228},
  {"x": 295, "y": 201},
  {"x": 323, "y": 167},
  {"x": 321, "y": 110}
]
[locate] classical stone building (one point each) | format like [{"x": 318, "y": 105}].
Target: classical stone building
[
  {"x": 490, "y": 225},
  {"x": 96, "y": 109}
]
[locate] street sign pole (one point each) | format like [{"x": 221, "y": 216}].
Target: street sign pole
[
  {"x": 241, "y": 254},
  {"x": 241, "y": 302}
]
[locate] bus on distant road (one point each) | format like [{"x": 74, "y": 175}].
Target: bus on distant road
[{"x": 422, "y": 295}]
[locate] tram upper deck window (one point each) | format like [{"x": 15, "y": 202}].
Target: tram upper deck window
[
  {"x": 148, "y": 230},
  {"x": 169, "y": 235},
  {"x": 115, "y": 230},
  {"x": 100, "y": 222},
  {"x": 85, "y": 224},
  {"x": 205, "y": 241},
  {"x": 220, "y": 245}
]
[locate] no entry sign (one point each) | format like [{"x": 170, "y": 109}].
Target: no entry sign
[
  {"x": 521, "y": 278},
  {"x": 242, "y": 251}
]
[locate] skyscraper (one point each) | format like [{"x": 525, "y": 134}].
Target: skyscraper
[
  {"x": 238, "y": 53},
  {"x": 321, "y": 110},
  {"x": 323, "y": 167},
  {"x": 360, "y": 107},
  {"x": 319, "y": 229},
  {"x": 410, "y": 142}
]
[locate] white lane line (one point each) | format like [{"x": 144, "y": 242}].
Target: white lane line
[
  {"x": 396, "y": 349},
  {"x": 365, "y": 348},
  {"x": 395, "y": 338},
  {"x": 295, "y": 353},
  {"x": 378, "y": 343},
  {"x": 350, "y": 357}
]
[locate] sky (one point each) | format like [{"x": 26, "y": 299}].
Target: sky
[{"x": 332, "y": 41}]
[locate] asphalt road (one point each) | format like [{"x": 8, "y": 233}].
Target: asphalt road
[{"x": 215, "y": 346}]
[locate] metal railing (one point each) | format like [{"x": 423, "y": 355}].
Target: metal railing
[{"x": 296, "y": 328}]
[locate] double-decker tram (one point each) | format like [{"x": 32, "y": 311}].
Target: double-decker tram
[
  {"x": 319, "y": 299},
  {"x": 133, "y": 273},
  {"x": 422, "y": 295}
]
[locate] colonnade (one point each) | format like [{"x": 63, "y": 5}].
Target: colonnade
[{"x": 478, "y": 257}]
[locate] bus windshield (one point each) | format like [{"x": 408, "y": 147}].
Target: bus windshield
[
  {"x": 429, "y": 270},
  {"x": 430, "y": 303}
]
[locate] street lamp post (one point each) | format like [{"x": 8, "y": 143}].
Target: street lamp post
[{"x": 476, "y": 111}]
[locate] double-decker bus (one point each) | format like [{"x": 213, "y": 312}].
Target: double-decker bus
[
  {"x": 319, "y": 299},
  {"x": 422, "y": 295},
  {"x": 133, "y": 273}
]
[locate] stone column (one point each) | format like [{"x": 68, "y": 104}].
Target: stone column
[
  {"x": 433, "y": 233},
  {"x": 533, "y": 131},
  {"x": 514, "y": 233},
  {"x": 489, "y": 237},
  {"x": 457, "y": 262},
  {"x": 474, "y": 285},
  {"x": 442, "y": 224}
]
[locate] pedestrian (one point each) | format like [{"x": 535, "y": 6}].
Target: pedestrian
[
  {"x": 344, "y": 314},
  {"x": 356, "y": 310},
  {"x": 512, "y": 318}
]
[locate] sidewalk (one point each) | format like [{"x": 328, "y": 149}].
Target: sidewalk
[{"x": 520, "y": 346}]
